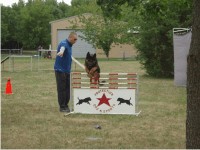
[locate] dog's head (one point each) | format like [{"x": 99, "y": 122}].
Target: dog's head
[{"x": 91, "y": 60}]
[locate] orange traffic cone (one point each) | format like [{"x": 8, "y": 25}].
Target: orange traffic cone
[{"x": 8, "y": 87}]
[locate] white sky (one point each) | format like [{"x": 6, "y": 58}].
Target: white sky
[{"x": 10, "y": 2}]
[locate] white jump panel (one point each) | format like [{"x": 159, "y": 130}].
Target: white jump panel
[
  {"x": 117, "y": 93},
  {"x": 104, "y": 101}
]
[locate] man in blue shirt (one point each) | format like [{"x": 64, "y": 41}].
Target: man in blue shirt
[{"x": 62, "y": 69}]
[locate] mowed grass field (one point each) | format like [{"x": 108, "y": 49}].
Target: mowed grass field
[{"x": 30, "y": 118}]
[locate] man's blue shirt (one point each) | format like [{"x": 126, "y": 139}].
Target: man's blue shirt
[{"x": 63, "y": 64}]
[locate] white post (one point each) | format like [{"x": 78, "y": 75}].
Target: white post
[
  {"x": 31, "y": 64},
  {"x": 76, "y": 61}
]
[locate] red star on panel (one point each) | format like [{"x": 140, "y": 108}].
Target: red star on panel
[{"x": 104, "y": 100}]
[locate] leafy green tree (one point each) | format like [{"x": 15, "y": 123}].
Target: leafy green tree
[
  {"x": 9, "y": 28},
  {"x": 27, "y": 24},
  {"x": 79, "y": 7},
  {"x": 16, "y": 32},
  {"x": 113, "y": 8},
  {"x": 64, "y": 9},
  {"x": 4, "y": 24},
  {"x": 155, "y": 20},
  {"x": 155, "y": 45},
  {"x": 58, "y": 10},
  {"x": 102, "y": 33},
  {"x": 35, "y": 26}
]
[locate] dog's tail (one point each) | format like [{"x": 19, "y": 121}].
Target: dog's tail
[{"x": 78, "y": 102}]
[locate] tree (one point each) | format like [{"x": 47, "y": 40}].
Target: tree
[
  {"x": 27, "y": 24},
  {"x": 79, "y": 7},
  {"x": 4, "y": 24},
  {"x": 158, "y": 18},
  {"x": 35, "y": 26},
  {"x": 65, "y": 10},
  {"x": 155, "y": 20},
  {"x": 102, "y": 33},
  {"x": 9, "y": 28},
  {"x": 112, "y": 9},
  {"x": 193, "y": 84}
]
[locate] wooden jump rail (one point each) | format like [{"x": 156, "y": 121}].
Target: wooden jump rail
[{"x": 112, "y": 81}]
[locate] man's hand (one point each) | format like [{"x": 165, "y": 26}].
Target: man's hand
[{"x": 62, "y": 49}]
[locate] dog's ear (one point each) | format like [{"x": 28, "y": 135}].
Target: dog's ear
[
  {"x": 88, "y": 54},
  {"x": 94, "y": 56}
]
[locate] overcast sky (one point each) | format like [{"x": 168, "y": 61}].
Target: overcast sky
[{"x": 10, "y": 2}]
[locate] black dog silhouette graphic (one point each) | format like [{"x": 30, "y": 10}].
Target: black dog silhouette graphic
[
  {"x": 85, "y": 100},
  {"x": 121, "y": 100}
]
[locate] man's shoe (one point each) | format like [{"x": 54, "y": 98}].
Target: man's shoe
[{"x": 67, "y": 110}]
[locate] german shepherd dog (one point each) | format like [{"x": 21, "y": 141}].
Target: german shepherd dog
[{"x": 92, "y": 68}]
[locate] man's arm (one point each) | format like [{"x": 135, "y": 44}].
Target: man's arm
[{"x": 62, "y": 49}]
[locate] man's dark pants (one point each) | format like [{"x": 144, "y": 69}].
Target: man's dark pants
[{"x": 63, "y": 88}]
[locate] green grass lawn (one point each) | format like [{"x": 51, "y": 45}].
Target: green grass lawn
[{"x": 30, "y": 118}]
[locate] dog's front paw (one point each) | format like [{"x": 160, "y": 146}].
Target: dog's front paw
[{"x": 89, "y": 75}]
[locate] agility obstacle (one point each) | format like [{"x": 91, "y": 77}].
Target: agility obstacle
[{"x": 116, "y": 93}]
